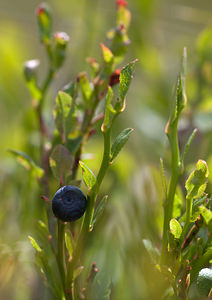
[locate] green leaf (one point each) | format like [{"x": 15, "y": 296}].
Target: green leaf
[
  {"x": 88, "y": 176},
  {"x": 108, "y": 59},
  {"x": 125, "y": 79},
  {"x": 98, "y": 211},
  {"x": 69, "y": 241},
  {"x": 60, "y": 162},
  {"x": 197, "y": 181},
  {"x": 34, "y": 244},
  {"x": 175, "y": 228},
  {"x": 26, "y": 161},
  {"x": 86, "y": 89},
  {"x": 195, "y": 207},
  {"x": 181, "y": 98},
  {"x": 109, "y": 97},
  {"x": 119, "y": 142},
  {"x": 107, "y": 54},
  {"x": 65, "y": 115},
  {"x": 206, "y": 213}
]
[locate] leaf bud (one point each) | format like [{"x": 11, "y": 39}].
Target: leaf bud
[
  {"x": 44, "y": 22},
  {"x": 61, "y": 40},
  {"x": 30, "y": 69}
]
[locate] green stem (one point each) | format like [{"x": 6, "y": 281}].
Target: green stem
[
  {"x": 105, "y": 161},
  {"x": 91, "y": 199},
  {"x": 48, "y": 80},
  {"x": 44, "y": 154},
  {"x": 176, "y": 169},
  {"x": 88, "y": 116},
  {"x": 60, "y": 249},
  {"x": 42, "y": 126}
]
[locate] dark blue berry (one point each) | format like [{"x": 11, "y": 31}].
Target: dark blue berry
[{"x": 69, "y": 203}]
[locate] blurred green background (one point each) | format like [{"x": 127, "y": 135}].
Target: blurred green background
[{"x": 158, "y": 33}]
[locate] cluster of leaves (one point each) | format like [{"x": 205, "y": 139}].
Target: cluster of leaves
[{"x": 187, "y": 239}]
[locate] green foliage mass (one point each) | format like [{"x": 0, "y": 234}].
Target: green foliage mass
[{"x": 122, "y": 257}]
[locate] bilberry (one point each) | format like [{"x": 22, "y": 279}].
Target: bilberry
[{"x": 69, "y": 203}]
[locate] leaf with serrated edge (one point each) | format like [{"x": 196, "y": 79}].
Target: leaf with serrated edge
[
  {"x": 125, "y": 79},
  {"x": 109, "y": 97},
  {"x": 119, "y": 143},
  {"x": 88, "y": 176},
  {"x": 181, "y": 99}
]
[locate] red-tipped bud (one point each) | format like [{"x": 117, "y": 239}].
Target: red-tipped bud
[
  {"x": 61, "y": 41},
  {"x": 43, "y": 9},
  {"x": 44, "y": 22},
  {"x": 40, "y": 10},
  {"x": 121, "y": 3},
  {"x": 61, "y": 38}
]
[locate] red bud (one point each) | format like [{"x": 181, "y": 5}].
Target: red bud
[
  {"x": 39, "y": 11},
  {"x": 114, "y": 78},
  {"x": 121, "y": 3}
]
